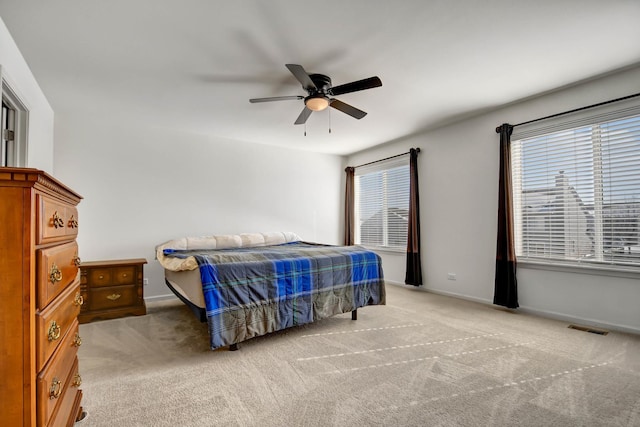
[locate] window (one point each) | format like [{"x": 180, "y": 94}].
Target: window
[
  {"x": 382, "y": 204},
  {"x": 13, "y": 146},
  {"x": 576, "y": 189}
]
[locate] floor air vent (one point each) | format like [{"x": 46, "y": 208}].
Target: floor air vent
[{"x": 589, "y": 329}]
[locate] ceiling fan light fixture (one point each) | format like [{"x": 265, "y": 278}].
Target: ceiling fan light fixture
[
  {"x": 316, "y": 103},
  {"x": 319, "y": 90}
]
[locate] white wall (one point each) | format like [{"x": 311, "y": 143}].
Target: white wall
[
  {"x": 144, "y": 186},
  {"x": 458, "y": 171},
  {"x": 18, "y": 76}
]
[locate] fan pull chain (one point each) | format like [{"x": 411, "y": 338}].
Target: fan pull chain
[
  {"x": 329, "y": 120},
  {"x": 305, "y": 128}
]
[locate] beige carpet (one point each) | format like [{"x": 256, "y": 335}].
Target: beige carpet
[{"x": 421, "y": 360}]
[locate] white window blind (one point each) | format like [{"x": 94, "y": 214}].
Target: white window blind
[
  {"x": 381, "y": 193},
  {"x": 576, "y": 188}
]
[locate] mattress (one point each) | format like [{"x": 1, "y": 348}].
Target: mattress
[
  {"x": 243, "y": 292},
  {"x": 188, "y": 285}
]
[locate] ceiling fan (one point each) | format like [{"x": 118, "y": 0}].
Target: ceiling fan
[{"x": 320, "y": 93}]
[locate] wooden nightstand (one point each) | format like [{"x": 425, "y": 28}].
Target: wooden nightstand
[{"x": 112, "y": 289}]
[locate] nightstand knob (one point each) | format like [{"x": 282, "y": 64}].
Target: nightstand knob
[
  {"x": 56, "y": 388},
  {"x": 78, "y": 300},
  {"x": 77, "y": 341},
  {"x": 55, "y": 275},
  {"x": 77, "y": 261},
  {"x": 73, "y": 223},
  {"x": 54, "y": 331},
  {"x": 101, "y": 277}
]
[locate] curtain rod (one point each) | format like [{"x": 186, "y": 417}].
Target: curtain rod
[
  {"x": 386, "y": 158},
  {"x": 577, "y": 109}
]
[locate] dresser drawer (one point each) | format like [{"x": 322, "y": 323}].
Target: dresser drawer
[
  {"x": 56, "y": 221},
  {"x": 57, "y": 268},
  {"x": 55, "y": 380},
  {"x": 113, "y": 297},
  {"x": 53, "y": 323},
  {"x": 69, "y": 406}
]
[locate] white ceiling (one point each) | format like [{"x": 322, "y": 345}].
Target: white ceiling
[{"x": 192, "y": 65}]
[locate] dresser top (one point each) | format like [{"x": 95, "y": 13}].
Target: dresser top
[{"x": 29, "y": 177}]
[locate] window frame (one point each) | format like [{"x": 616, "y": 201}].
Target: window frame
[
  {"x": 377, "y": 167},
  {"x": 592, "y": 117},
  {"x": 17, "y": 153}
]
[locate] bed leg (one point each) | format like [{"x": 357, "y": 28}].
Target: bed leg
[
  {"x": 233, "y": 347},
  {"x": 354, "y": 314}
]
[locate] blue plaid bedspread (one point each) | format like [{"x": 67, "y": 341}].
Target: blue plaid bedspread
[{"x": 254, "y": 291}]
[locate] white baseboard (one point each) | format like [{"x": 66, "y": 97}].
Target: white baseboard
[
  {"x": 579, "y": 320},
  {"x": 158, "y": 298},
  {"x": 534, "y": 311},
  {"x": 438, "y": 292}
]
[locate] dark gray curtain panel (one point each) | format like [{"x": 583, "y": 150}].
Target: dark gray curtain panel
[
  {"x": 349, "y": 203},
  {"x": 414, "y": 268},
  {"x": 506, "y": 284}
]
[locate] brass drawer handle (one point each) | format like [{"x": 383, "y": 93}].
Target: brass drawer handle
[
  {"x": 101, "y": 277},
  {"x": 76, "y": 261},
  {"x": 56, "y": 388},
  {"x": 113, "y": 297},
  {"x": 54, "y": 331},
  {"x": 73, "y": 222},
  {"x": 77, "y": 341},
  {"x": 55, "y": 275},
  {"x": 78, "y": 300},
  {"x": 57, "y": 221},
  {"x": 124, "y": 274},
  {"x": 77, "y": 380}
]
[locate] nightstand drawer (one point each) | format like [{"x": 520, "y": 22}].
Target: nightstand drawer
[
  {"x": 124, "y": 275},
  {"x": 112, "y": 297},
  {"x": 100, "y": 277},
  {"x": 112, "y": 276}
]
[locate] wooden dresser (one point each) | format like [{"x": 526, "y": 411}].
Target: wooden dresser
[
  {"x": 112, "y": 289},
  {"x": 40, "y": 300}
]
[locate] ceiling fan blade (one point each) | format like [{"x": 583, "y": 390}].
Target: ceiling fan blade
[
  {"x": 347, "y": 109},
  {"x": 363, "y": 84},
  {"x": 302, "y": 76},
  {"x": 276, "y": 98},
  {"x": 302, "y": 118}
]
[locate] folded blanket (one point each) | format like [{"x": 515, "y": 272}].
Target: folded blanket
[{"x": 256, "y": 290}]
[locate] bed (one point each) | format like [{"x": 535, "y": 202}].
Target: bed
[{"x": 252, "y": 284}]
